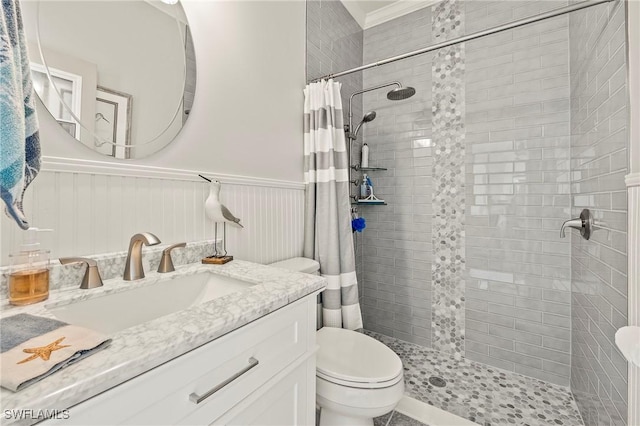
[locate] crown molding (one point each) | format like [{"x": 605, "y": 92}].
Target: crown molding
[
  {"x": 73, "y": 165},
  {"x": 355, "y": 11},
  {"x": 395, "y": 10}
]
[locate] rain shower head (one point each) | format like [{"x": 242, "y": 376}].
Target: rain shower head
[
  {"x": 370, "y": 116},
  {"x": 400, "y": 93}
]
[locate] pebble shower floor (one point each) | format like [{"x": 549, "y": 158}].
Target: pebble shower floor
[{"x": 480, "y": 393}]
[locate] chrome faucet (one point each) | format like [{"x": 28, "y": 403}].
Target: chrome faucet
[
  {"x": 584, "y": 224},
  {"x": 133, "y": 269}
]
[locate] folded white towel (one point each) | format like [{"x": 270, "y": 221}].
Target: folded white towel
[{"x": 32, "y": 348}]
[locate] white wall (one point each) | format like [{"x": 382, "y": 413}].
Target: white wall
[
  {"x": 633, "y": 184},
  {"x": 247, "y": 115},
  {"x": 246, "y": 121},
  {"x": 633, "y": 25}
]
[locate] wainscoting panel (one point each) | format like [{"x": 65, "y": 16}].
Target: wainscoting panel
[{"x": 94, "y": 210}]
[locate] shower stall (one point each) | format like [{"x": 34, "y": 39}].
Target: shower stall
[{"x": 463, "y": 272}]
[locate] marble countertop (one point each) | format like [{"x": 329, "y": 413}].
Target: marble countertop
[{"x": 140, "y": 348}]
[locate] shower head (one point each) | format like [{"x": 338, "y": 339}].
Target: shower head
[
  {"x": 370, "y": 116},
  {"x": 400, "y": 93}
]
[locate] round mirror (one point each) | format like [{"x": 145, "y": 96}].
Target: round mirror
[{"x": 118, "y": 76}]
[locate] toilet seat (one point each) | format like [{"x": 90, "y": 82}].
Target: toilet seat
[
  {"x": 353, "y": 359},
  {"x": 360, "y": 385}
]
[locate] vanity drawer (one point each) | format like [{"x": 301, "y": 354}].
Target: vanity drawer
[{"x": 162, "y": 395}]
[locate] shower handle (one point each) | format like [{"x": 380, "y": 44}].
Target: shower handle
[{"x": 584, "y": 224}]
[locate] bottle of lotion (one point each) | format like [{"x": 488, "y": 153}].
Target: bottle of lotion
[{"x": 364, "y": 161}]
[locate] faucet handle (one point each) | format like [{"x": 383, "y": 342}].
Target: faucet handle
[
  {"x": 92, "y": 278},
  {"x": 166, "y": 263}
]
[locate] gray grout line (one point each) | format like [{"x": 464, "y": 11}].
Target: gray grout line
[{"x": 389, "y": 419}]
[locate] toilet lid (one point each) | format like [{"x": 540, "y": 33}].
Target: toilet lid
[{"x": 355, "y": 357}]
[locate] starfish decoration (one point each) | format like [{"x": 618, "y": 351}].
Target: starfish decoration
[{"x": 43, "y": 352}]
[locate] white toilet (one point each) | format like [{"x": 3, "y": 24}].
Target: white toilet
[{"x": 357, "y": 377}]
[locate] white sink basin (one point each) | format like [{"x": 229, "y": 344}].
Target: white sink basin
[{"x": 117, "y": 311}]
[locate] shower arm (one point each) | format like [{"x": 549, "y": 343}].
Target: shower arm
[{"x": 360, "y": 92}]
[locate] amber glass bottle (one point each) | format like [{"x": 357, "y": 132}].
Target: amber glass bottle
[{"x": 29, "y": 273}]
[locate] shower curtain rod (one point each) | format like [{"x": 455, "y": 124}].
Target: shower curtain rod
[{"x": 479, "y": 34}]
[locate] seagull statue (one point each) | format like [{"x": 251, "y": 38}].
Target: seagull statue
[
  {"x": 218, "y": 212},
  {"x": 215, "y": 210}
]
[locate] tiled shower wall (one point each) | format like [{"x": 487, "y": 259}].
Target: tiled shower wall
[
  {"x": 517, "y": 187},
  {"x": 515, "y": 110},
  {"x": 599, "y": 152},
  {"x": 397, "y": 254},
  {"x": 334, "y": 43}
]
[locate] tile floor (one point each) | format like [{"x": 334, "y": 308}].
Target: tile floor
[
  {"x": 390, "y": 419},
  {"x": 396, "y": 419},
  {"x": 480, "y": 393}
]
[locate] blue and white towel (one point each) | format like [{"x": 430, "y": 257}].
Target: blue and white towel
[
  {"x": 32, "y": 348},
  {"x": 19, "y": 138}
]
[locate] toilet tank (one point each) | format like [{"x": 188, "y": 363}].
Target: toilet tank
[
  {"x": 308, "y": 266},
  {"x": 299, "y": 264}
]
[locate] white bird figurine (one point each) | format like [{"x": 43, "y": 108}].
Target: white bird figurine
[{"x": 215, "y": 210}]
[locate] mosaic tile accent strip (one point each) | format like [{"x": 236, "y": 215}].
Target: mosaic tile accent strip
[
  {"x": 480, "y": 393},
  {"x": 447, "y": 20},
  {"x": 447, "y": 316}
]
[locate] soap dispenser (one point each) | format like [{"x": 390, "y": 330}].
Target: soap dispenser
[{"x": 29, "y": 272}]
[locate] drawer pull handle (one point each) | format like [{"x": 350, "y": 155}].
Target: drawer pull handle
[{"x": 194, "y": 397}]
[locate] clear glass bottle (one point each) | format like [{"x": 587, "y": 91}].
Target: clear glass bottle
[{"x": 29, "y": 272}]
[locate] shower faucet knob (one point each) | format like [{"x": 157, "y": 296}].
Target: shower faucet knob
[{"x": 584, "y": 224}]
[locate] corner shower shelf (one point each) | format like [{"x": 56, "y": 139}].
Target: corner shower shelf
[
  {"x": 367, "y": 203},
  {"x": 367, "y": 169},
  {"x": 357, "y": 167}
]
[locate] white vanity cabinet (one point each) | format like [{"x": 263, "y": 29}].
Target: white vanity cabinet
[{"x": 264, "y": 373}]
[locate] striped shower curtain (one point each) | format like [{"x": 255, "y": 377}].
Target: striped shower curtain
[{"x": 327, "y": 236}]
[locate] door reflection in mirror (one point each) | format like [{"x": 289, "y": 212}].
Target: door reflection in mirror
[{"x": 136, "y": 49}]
